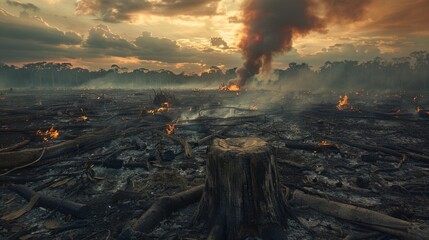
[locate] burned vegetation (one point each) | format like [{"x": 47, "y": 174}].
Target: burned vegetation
[{"x": 211, "y": 164}]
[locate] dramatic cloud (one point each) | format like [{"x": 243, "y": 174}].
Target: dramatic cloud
[
  {"x": 218, "y": 42},
  {"x": 25, "y": 6},
  {"x": 119, "y": 11},
  {"x": 34, "y": 29},
  {"x": 404, "y": 17},
  {"x": 102, "y": 37},
  {"x": 271, "y": 25},
  {"x": 179, "y": 39}
]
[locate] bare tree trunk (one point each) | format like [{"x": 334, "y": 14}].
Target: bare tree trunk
[{"x": 242, "y": 196}]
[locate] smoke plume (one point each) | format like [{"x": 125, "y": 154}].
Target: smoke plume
[{"x": 271, "y": 25}]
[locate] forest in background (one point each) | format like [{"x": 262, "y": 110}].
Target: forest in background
[{"x": 405, "y": 73}]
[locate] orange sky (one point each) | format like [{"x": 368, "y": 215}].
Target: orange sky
[{"x": 177, "y": 34}]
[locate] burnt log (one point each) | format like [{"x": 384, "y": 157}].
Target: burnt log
[
  {"x": 164, "y": 206},
  {"x": 242, "y": 196},
  {"x": 361, "y": 216},
  {"x": 65, "y": 206}
]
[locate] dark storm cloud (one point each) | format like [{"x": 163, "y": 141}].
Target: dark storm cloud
[
  {"x": 219, "y": 42},
  {"x": 34, "y": 29},
  {"x": 119, "y": 11},
  {"x": 25, "y": 6}
]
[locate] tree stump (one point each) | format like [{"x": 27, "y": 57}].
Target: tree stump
[{"x": 242, "y": 196}]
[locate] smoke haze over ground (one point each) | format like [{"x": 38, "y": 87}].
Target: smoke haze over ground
[{"x": 405, "y": 73}]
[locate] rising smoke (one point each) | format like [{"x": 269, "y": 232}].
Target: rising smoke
[{"x": 270, "y": 26}]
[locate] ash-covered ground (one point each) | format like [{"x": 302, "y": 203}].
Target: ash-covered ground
[{"x": 370, "y": 149}]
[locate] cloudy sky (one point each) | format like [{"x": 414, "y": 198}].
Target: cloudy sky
[{"x": 191, "y": 35}]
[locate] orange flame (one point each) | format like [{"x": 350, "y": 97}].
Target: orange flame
[
  {"x": 324, "y": 143},
  {"x": 84, "y": 118},
  {"x": 343, "y": 103},
  {"x": 418, "y": 109},
  {"x": 165, "y": 107},
  {"x": 48, "y": 134},
  {"x": 230, "y": 87},
  {"x": 171, "y": 128}
]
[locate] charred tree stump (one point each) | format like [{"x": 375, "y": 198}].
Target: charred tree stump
[{"x": 242, "y": 196}]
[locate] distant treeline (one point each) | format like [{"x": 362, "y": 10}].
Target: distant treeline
[{"x": 408, "y": 73}]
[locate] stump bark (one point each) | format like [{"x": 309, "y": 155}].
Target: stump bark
[{"x": 242, "y": 196}]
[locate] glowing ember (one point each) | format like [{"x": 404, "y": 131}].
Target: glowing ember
[
  {"x": 48, "y": 134},
  {"x": 253, "y": 107},
  {"x": 418, "y": 109},
  {"x": 171, "y": 127},
  {"x": 165, "y": 106},
  {"x": 343, "y": 103},
  {"x": 324, "y": 143},
  {"x": 84, "y": 118},
  {"x": 230, "y": 87}
]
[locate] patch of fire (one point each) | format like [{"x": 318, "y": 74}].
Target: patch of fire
[
  {"x": 165, "y": 107},
  {"x": 328, "y": 146},
  {"x": 171, "y": 128},
  {"x": 229, "y": 87},
  {"x": 242, "y": 196},
  {"x": 343, "y": 103},
  {"x": 48, "y": 134},
  {"x": 253, "y": 107}
]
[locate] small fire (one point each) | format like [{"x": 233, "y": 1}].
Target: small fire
[
  {"x": 48, "y": 134},
  {"x": 418, "y": 109},
  {"x": 324, "y": 143},
  {"x": 165, "y": 106},
  {"x": 84, "y": 118},
  {"x": 253, "y": 107},
  {"x": 343, "y": 103},
  {"x": 230, "y": 87},
  {"x": 171, "y": 128}
]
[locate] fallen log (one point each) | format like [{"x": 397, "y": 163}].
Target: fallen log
[
  {"x": 389, "y": 151},
  {"x": 81, "y": 143},
  {"x": 163, "y": 207},
  {"x": 64, "y": 206},
  {"x": 361, "y": 216},
  {"x": 15, "y": 146},
  {"x": 312, "y": 147}
]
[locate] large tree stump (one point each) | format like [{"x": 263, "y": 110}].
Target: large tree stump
[{"x": 242, "y": 196}]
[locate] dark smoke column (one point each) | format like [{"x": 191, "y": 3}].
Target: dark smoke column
[{"x": 271, "y": 25}]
